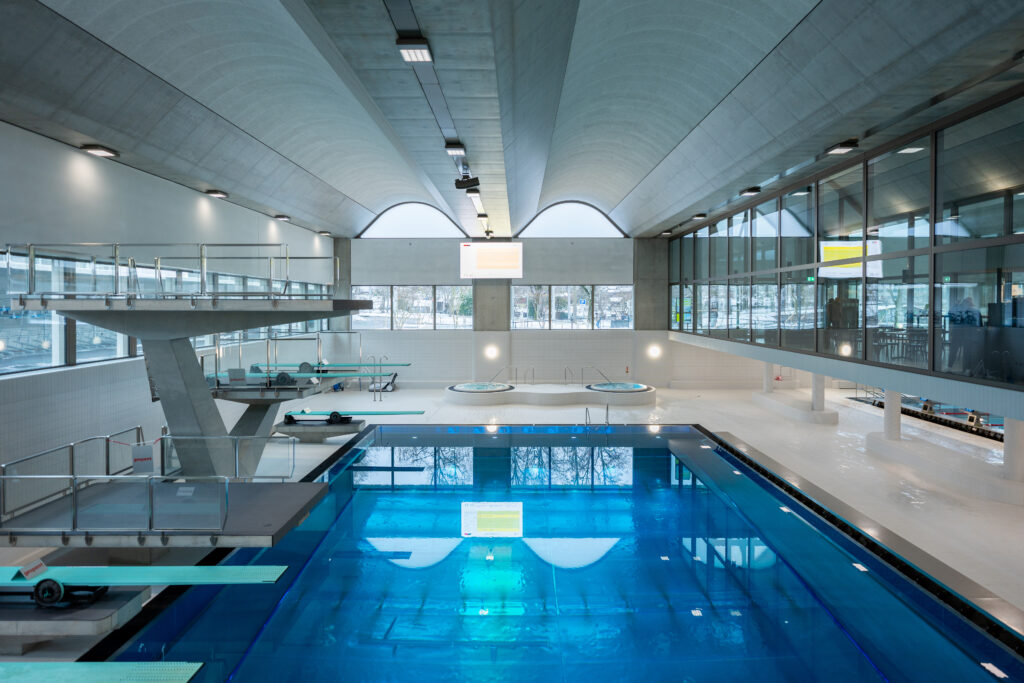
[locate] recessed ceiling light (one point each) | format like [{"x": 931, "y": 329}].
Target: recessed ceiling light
[
  {"x": 455, "y": 149},
  {"x": 282, "y": 217},
  {"x": 751, "y": 191},
  {"x": 324, "y": 233},
  {"x": 414, "y": 49},
  {"x": 843, "y": 147},
  {"x": 801, "y": 192},
  {"x": 666, "y": 233},
  {"x": 910, "y": 150},
  {"x": 100, "y": 151},
  {"x": 219, "y": 194}
]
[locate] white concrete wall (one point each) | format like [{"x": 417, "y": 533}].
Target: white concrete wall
[
  {"x": 697, "y": 368},
  {"x": 545, "y": 262},
  {"x": 53, "y": 193}
]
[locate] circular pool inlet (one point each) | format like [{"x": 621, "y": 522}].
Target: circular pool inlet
[
  {"x": 481, "y": 387},
  {"x": 619, "y": 387}
]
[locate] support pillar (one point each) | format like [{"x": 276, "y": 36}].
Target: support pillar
[
  {"x": 768, "y": 378},
  {"x": 893, "y": 413},
  {"x": 817, "y": 392},
  {"x": 1013, "y": 449}
]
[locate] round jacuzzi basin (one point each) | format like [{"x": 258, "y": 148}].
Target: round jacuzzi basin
[
  {"x": 481, "y": 387},
  {"x": 618, "y": 387}
]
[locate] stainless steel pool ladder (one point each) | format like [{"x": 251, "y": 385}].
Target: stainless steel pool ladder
[
  {"x": 567, "y": 376},
  {"x": 510, "y": 370},
  {"x": 595, "y": 369},
  {"x": 586, "y": 416}
]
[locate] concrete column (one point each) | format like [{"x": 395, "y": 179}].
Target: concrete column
[
  {"x": 650, "y": 284},
  {"x": 893, "y": 411},
  {"x": 491, "y": 305},
  {"x": 817, "y": 392},
  {"x": 1013, "y": 449},
  {"x": 768, "y": 378},
  {"x": 343, "y": 281}
]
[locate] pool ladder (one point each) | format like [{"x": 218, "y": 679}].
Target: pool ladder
[{"x": 589, "y": 422}]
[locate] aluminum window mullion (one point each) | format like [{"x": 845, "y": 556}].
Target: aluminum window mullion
[{"x": 933, "y": 219}]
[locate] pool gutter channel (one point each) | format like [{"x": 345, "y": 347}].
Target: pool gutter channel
[{"x": 937, "y": 579}]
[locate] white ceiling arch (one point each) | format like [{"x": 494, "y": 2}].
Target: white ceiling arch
[
  {"x": 410, "y": 220},
  {"x": 571, "y": 218}
]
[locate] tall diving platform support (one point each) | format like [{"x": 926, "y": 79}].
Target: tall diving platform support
[{"x": 164, "y": 327}]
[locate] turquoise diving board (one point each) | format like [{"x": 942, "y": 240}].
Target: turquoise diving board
[
  {"x": 338, "y": 365},
  {"x": 305, "y": 375},
  {"x": 145, "y": 576},
  {"x": 100, "y": 672},
  {"x": 298, "y": 413}
]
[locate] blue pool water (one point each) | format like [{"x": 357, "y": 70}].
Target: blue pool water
[
  {"x": 481, "y": 387},
  {"x": 453, "y": 553},
  {"x": 618, "y": 387}
]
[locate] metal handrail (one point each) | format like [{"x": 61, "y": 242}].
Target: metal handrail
[
  {"x": 567, "y": 375},
  {"x": 108, "y": 438},
  {"x": 595, "y": 369}
]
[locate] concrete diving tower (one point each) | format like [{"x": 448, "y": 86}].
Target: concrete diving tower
[{"x": 164, "y": 327}]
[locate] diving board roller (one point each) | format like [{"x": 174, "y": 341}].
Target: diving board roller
[{"x": 52, "y": 585}]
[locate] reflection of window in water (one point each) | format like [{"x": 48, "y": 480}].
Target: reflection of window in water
[
  {"x": 742, "y": 553},
  {"x": 577, "y": 466},
  {"x": 441, "y": 466}
]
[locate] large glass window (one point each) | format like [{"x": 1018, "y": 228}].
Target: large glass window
[
  {"x": 899, "y": 187},
  {"x": 613, "y": 307},
  {"x": 979, "y": 173},
  {"x": 530, "y": 307},
  {"x": 687, "y": 308},
  {"x": 796, "y": 310},
  {"x": 377, "y": 318},
  {"x": 701, "y": 251},
  {"x": 719, "y": 244},
  {"x": 765, "y": 232},
  {"x": 739, "y": 243},
  {"x": 839, "y": 315},
  {"x": 687, "y": 265},
  {"x": 454, "y": 307},
  {"x": 796, "y": 223},
  {"x": 841, "y": 215},
  {"x": 718, "y": 307},
  {"x": 700, "y": 309},
  {"x": 414, "y": 308},
  {"x": 739, "y": 309},
  {"x": 28, "y": 340},
  {"x": 571, "y": 307},
  {"x": 897, "y": 311},
  {"x": 979, "y": 301},
  {"x": 764, "y": 310},
  {"x": 674, "y": 260},
  {"x": 673, "y": 307},
  {"x": 95, "y": 343}
]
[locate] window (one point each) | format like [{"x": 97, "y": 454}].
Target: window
[
  {"x": 718, "y": 307},
  {"x": 95, "y": 343},
  {"x": 979, "y": 301},
  {"x": 414, "y": 308},
  {"x": 571, "y": 307},
  {"x": 673, "y": 260},
  {"x": 701, "y": 253},
  {"x": 412, "y": 220},
  {"x": 570, "y": 219},
  {"x": 797, "y": 227},
  {"x": 841, "y": 214},
  {"x": 673, "y": 310},
  {"x": 530, "y": 307},
  {"x": 687, "y": 241},
  {"x": 839, "y": 316},
  {"x": 765, "y": 232},
  {"x": 739, "y": 309},
  {"x": 28, "y": 340},
  {"x": 899, "y": 191},
  {"x": 687, "y": 308},
  {"x": 454, "y": 307},
  {"x": 979, "y": 175},
  {"x": 897, "y": 311},
  {"x": 719, "y": 244},
  {"x": 796, "y": 310},
  {"x": 764, "y": 310},
  {"x": 700, "y": 309},
  {"x": 377, "y": 318},
  {"x": 739, "y": 243},
  {"x": 613, "y": 307}
]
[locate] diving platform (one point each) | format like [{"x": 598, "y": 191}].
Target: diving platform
[{"x": 176, "y": 513}]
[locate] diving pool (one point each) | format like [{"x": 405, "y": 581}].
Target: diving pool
[{"x": 541, "y": 553}]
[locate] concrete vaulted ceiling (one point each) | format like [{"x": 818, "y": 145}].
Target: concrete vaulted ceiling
[{"x": 649, "y": 110}]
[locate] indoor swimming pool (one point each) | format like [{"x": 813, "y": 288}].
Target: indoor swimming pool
[{"x": 542, "y": 553}]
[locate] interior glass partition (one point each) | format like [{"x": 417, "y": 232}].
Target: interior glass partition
[
  {"x": 764, "y": 310},
  {"x": 899, "y": 192},
  {"x": 897, "y": 311},
  {"x": 796, "y": 225},
  {"x": 739, "y": 308}
]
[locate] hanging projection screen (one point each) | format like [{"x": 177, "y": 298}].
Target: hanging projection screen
[{"x": 491, "y": 260}]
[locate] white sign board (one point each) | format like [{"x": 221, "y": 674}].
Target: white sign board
[{"x": 491, "y": 260}]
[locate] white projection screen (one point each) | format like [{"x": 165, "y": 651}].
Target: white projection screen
[{"x": 491, "y": 260}]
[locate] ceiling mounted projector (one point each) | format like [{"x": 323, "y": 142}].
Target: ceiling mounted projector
[{"x": 466, "y": 183}]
